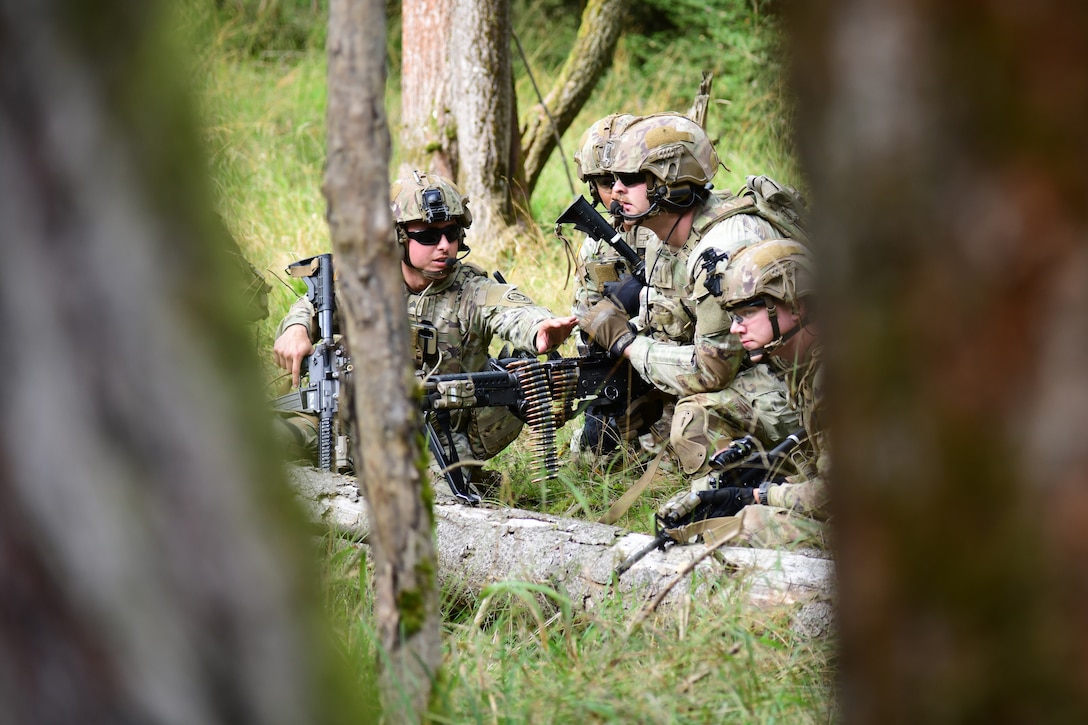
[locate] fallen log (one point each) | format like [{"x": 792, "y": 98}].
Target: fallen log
[{"x": 478, "y": 546}]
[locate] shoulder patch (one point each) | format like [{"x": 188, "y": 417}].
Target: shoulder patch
[{"x": 504, "y": 295}]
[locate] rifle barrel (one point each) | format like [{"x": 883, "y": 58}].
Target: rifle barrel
[{"x": 630, "y": 561}]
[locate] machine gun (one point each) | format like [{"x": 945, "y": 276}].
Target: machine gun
[
  {"x": 326, "y": 366},
  {"x": 589, "y": 221},
  {"x": 741, "y": 465},
  {"x": 543, "y": 393}
]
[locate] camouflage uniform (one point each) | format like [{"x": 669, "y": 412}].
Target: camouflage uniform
[
  {"x": 794, "y": 511},
  {"x": 452, "y": 323},
  {"x": 453, "y": 320},
  {"x": 600, "y": 266},
  {"x": 598, "y": 263},
  {"x": 685, "y": 347}
]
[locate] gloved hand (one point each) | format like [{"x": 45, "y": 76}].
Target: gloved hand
[
  {"x": 625, "y": 293},
  {"x": 643, "y": 412},
  {"x": 606, "y": 324},
  {"x": 729, "y": 501},
  {"x": 673, "y": 511}
]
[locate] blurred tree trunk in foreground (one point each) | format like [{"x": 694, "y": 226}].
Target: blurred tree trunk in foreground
[
  {"x": 372, "y": 297},
  {"x": 946, "y": 146},
  {"x": 148, "y": 567}
]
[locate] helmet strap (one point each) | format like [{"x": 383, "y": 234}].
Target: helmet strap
[{"x": 779, "y": 339}]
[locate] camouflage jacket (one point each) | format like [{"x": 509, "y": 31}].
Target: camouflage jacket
[
  {"x": 453, "y": 323},
  {"x": 685, "y": 346},
  {"x": 807, "y": 492},
  {"x": 454, "y": 320}
]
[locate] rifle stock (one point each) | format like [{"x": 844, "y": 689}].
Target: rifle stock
[{"x": 589, "y": 221}]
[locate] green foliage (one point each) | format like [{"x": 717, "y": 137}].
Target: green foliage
[
  {"x": 658, "y": 66},
  {"x": 257, "y": 28}
]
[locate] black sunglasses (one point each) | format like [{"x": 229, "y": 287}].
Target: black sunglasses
[
  {"x": 629, "y": 179},
  {"x": 431, "y": 237}
]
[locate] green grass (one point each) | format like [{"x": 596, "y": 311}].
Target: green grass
[{"x": 523, "y": 655}]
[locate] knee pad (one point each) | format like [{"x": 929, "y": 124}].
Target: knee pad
[{"x": 689, "y": 438}]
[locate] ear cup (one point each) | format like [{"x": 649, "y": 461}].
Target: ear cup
[{"x": 677, "y": 196}]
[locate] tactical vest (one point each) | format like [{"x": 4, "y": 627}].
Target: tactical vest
[
  {"x": 442, "y": 336},
  {"x": 670, "y": 316},
  {"x": 604, "y": 265}
]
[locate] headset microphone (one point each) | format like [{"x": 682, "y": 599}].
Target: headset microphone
[
  {"x": 449, "y": 261},
  {"x": 616, "y": 209}
]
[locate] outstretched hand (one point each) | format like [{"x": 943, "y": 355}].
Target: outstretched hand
[
  {"x": 291, "y": 348},
  {"x": 553, "y": 331}
]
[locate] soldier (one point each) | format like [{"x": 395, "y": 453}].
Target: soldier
[
  {"x": 602, "y": 271},
  {"x": 455, "y": 309},
  {"x": 767, "y": 288},
  {"x": 662, "y": 167},
  {"x": 598, "y": 264}
]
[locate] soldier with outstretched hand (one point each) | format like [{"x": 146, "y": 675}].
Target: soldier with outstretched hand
[{"x": 454, "y": 307}]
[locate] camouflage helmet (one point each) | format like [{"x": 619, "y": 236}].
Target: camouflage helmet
[
  {"x": 428, "y": 198},
  {"x": 588, "y": 157},
  {"x": 778, "y": 268},
  {"x": 670, "y": 146}
]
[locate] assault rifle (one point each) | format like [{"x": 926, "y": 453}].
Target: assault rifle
[
  {"x": 741, "y": 465},
  {"x": 543, "y": 393},
  {"x": 588, "y": 220},
  {"x": 326, "y": 366}
]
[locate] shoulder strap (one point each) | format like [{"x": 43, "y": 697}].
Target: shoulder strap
[
  {"x": 627, "y": 499},
  {"x": 725, "y": 208}
]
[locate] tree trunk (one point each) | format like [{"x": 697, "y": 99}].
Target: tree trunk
[
  {"x": 588, "y": 60},
  {"x": 428, "y": 132},
  {"x": 372, "y": 298},
  {"x": 479, "y": 546},
  {"x": 148, "y": 574},
  {"x": 483, "y": 108},
  {"x": 946, "y": 145}
]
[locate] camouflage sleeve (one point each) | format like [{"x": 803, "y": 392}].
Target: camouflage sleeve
[
  {"x": 504, "y": 311},
  {"x": 710, "y": 364},
  {"x": 300, "y": 313},
  {"x": 805, "y": 497}
]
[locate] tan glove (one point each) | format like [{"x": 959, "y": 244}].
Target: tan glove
[{"x": 606, "y": 324}]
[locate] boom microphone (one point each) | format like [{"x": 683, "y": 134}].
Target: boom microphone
[{"x": 616, "y": 209}]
